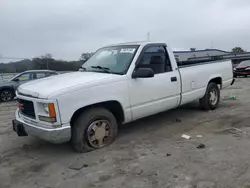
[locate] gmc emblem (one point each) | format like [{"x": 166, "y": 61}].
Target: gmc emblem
[{"x": 20, "y": 106}]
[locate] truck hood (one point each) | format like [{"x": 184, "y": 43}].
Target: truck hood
[{"x": 42, "y": 88}]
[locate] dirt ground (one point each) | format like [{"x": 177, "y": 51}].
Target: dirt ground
[{"x": 148, "y": 153}]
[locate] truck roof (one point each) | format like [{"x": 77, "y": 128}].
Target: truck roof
[
  {"x": 135, "y": 43},
  {"x": 41, "y": 70}
]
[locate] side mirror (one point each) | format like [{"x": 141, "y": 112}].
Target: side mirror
[
  {"x": 143, "y": 73},
  {"x": 16, "y": 80},
  {"x": 80, "y": 69}
]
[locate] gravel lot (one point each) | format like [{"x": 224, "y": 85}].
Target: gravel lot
[{"x": 148, "y": 153}]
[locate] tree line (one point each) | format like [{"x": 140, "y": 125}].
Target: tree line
[
  {"x": 48, "y": 62},
  {"x": 237, "y": 50},
  {"x": 44, "y": 62}
]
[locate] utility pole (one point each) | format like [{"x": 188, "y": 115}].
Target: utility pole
[
  {"x": 47, "y": 64},
  {"x": 211, "y": 44},
  {"x": 148, "y": 36}
]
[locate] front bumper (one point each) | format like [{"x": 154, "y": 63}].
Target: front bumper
[
  {"x": 242, "y": 73},
  {"x": 54, "y": 135}
]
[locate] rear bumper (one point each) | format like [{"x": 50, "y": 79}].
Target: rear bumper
[{"x": 54, "y": 135}]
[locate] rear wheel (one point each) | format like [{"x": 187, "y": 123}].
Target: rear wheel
[
  {"x": 6, "y": 95},
  {"x": 93, "y": 129},
  {"x": 211, "y": 99},
  {"x": 245, "y": 76}
]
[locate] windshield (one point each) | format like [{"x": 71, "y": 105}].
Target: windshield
[
  {"x": 115, "y": 59},
  {"x": 13, "y": 78},
  {"x": 245, "y": 63}
]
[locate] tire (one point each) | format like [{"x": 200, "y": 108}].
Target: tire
[
  {"x": 212, "y": 92},
  {"x": 90, "y": 125},
  {"x": 245, "y": 76},
  {"x": 6, "y": 95}
]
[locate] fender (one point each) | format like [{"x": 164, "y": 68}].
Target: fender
[{"x": 217, "y": 78}]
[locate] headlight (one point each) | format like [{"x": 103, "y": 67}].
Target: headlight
[
  {"x": 49, "y": 114},
  {"x": 47, "y": 119},
  {"x": 234, "y": 69},
  {"x": 248, "y": 68},
  {"x": 46, "y": 108}
]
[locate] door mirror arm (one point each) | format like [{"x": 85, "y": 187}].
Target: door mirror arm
[
  {"x": 16, "y": 80},
  {"x": 143, "y": 73}
]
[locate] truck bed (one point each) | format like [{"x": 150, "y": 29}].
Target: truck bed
[
  {"x": 195, "y": 77},
  {"x": 184, "y": 64}
]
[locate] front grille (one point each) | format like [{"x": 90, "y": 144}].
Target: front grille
[{"x": 27, "y": 108}]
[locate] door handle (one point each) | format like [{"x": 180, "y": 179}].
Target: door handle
[{"x": 173, "y": 79}]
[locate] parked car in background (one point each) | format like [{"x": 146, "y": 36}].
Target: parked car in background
[
  {"x": 243, "y": 69},
  {"x": 7, "y": 89}
]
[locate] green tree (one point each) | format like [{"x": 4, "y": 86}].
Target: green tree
[
  {"x": 85, "y": 56},
  {"x": 42, "y": 62},
  {"x": 47, "y": 59},
  {"x": 237, "y": 50}
]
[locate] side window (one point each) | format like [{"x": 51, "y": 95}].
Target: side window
[
  {"x": 39, "y": 75},
  {"x": 50, "y": 73},
  {"x": 156, "y": 58},
  {"x": 24, "y": 77}
]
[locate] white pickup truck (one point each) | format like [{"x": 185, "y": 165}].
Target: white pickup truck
[{"x": 118, "y": 84}]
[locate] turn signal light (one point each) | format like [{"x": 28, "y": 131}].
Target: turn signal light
[{"x": 52, "y": 110}]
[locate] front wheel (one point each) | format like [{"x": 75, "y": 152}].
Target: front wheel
[
  {"x": 6, "y": 95},
  {"x": 93, "y": 129},
  {"x": 211, "y": 99}
]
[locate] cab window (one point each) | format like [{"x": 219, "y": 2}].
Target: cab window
[{"x": 156, "y": 58}]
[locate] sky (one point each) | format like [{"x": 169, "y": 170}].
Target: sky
[{"x": 67, "y": 28}]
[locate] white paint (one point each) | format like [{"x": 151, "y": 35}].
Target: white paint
[
  {"x": 58, "y": 84},
  {"x": 200, "y": 75},
  {"x": 138, "y": 97}
]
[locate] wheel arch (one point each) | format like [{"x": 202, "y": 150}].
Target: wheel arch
[
  {"x": 8, "y": 88},
  {"x": 113, "y": 106},
  {"x": 217, "y": 80},
  {"x": 205, "y": 102}
]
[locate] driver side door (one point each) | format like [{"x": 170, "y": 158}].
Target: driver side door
[{"x": 155, "y": 94}]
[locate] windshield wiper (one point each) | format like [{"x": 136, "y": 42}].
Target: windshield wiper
[{"x": 105, "y": 69}]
